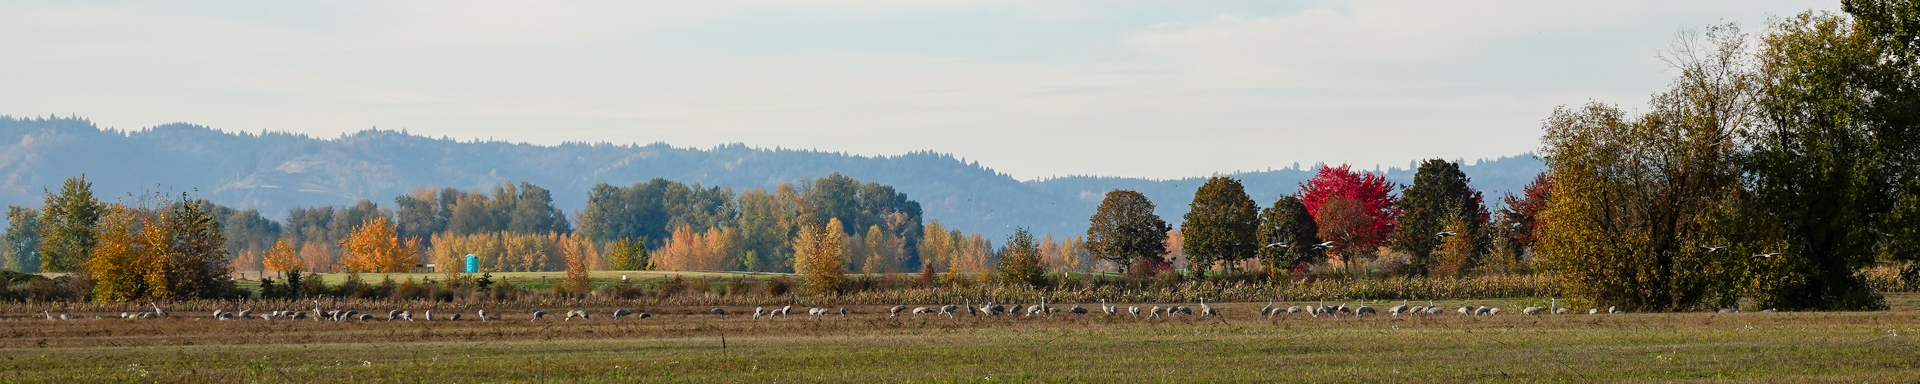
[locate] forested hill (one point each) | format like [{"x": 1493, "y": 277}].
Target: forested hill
[{"x": 277, "y": 171}]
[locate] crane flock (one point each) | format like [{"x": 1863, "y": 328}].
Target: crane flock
[{"x": 951, "y": 311}]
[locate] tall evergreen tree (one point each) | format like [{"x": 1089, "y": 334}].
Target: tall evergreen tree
[
  {"x": 1439, "y": 197},
  {"x": 1220, "y": 226},
  {"x": 67, "y": 239},
  {"x": 1287, "y": 236}
]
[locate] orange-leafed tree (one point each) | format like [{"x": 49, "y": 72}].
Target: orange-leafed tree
[
  {"x": 281, "y": 257},
  {"x": 579, "y": 253},
  {"x": 374, "y": 247}
]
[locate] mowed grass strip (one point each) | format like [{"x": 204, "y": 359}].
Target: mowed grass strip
[{"x": 1793, "y": 347}]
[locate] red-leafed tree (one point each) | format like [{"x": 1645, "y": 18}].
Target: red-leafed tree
[
  {"x": 1523, "y": 212},
  {"x": 1361, "y": 214}
]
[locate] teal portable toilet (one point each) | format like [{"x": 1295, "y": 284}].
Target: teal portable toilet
[{"x": 473, "y": 263}]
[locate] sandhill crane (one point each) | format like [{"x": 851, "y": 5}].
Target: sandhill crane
[
  {"x": 1593, "y": 311},
  {"x": 1614, "y": 310},
  {"x": 1398, "y": 309},
  {"x": 1364, "y": 310},
  {"x": 1292, "y": 310},
  {"x": 1531, "y": 310},
  {"x": 157, "y": 312},
  {"x": 895, "y": 311},
  {"x": 406, "y": 315},
  {"x": 300, "y": 315},
  {"x": 1014, "y": 309},
  {"x": 758, "y": 312},
  {"x": 642, "y": 315},
  {"x": 1077, "y": 310},
  {"x": 948, "y": 310},
  {"x": 968, "y": 302},
  {"x": 1207, "y": 310},
  {"x": 619, "y": 313},
  {"x": 454, "y": 317},
  {"x": 364, "y": 317},
  {"x": 843, "y": 312},
  {"x": 1489, "y": 311},
  {"x": 538, "y": 314},
  {"x": 995, "y": 309},
  {"x": 393, "y": 314},
  {"x": 1468, "y": 310},
  {"x": 1155, "y": 312},
  {"x": 1435, "y": 309},
  {"x": 1268, "y": 310},
  {"x": 1107, "y": 308},
  {"x": 815, "y": 313},
  {"x": 917, "y": 311},
  {"x": 1135, "y": 311},
  {"x": 717, "y": 311},
  {"x": 244, "y": 314},
  {"x": 483, "y": 315},
  {"x": 217, "y": 314},
  {"x": 1184, "y": 310},
  {"x": 576, "y": 313},
  {"x": 426, "y": 315},
  {"x": 782, "y": 312}
]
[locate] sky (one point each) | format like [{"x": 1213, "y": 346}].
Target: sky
[{"x": 1035, "y": 89}]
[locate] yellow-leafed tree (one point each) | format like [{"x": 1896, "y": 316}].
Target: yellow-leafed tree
[
  {"x": 373, "y": 247},
  {"x": 818, "y": 250}
]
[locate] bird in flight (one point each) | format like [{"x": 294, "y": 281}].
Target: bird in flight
[
  {"x": 1444, "y": 235},
  {"x": 1713, "y": 249},
  {"x": 1767, "y": 255}
]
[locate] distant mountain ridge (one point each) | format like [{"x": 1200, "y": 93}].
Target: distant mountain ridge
[{"x": 275, "y": 171}]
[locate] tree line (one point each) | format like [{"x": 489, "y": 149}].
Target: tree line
[{"x": 1350, "y": 221}]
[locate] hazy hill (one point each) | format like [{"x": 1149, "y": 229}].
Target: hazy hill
[{"x": 276, "y": 171}]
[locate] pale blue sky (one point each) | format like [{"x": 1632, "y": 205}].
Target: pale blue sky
[{"x": 1032, "y": 88}]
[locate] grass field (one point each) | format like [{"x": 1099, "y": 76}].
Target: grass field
[{"x": 685, "y": 344}]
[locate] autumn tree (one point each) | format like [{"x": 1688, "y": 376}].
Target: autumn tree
[
  {"x": 1439, "y": 198},
  {"x": 1638, "y": 198},
  {"x": 22, "y": 239},
  {"x": 1522, "y": 213},
  {"x": 818, "y": 249},
  {"x": 1220, "y": 226},
  {"x": 120, "y": 256},
  {"x": 1355, "y": 210},
  {"x": 1126, "y": 232},
  {"x": 1020, "y": 260},
  {"x": 67, "y": 236},
  {"x": 317, "y": 258},
  {"x": 578, "y": 252},
  {"x": 374, "y": 247},
  {"x": 1287, "y": 236},
  {"x": 281, "y": 258}
]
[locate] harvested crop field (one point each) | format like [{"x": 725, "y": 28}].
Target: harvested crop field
[{"x": 689, "y": 344}]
